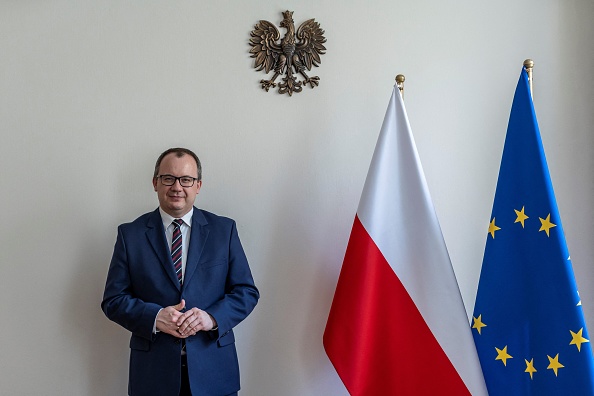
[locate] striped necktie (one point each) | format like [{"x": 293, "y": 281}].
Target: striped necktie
[{"x": 176, "y": 248}]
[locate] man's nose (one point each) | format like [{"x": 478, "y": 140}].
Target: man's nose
[{"x": 177, "y": 185}]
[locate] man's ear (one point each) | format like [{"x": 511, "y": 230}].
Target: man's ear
[{"x": 155, "y": 183}]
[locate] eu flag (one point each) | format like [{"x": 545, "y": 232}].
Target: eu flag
[{"x": 528, "y": 323}]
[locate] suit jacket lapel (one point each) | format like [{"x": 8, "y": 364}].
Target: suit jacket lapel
[
  {"x": 156, "y": 236},
  {"x": 198, "y": 237}
]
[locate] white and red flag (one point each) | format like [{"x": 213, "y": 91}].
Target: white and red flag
[{"x": 397, "y": 325}]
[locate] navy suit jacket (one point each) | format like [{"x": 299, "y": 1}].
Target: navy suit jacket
[{"x": 141, "y": 280}]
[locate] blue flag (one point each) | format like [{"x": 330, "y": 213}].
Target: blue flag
[{"x": 528, "y": 323}]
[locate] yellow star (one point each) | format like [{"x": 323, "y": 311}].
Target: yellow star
[
  {"x": 554, "y": 364},
  {"x": 577, "y": 339},
  {"x": 530, "y": 367},
  {"x": 493, "y": 228},
  {"x": 503, "y": 355},
  {"x": 478, "y": 324},
  {"x": 521, "y": 216},
  {"x": 546, "y": 225}
]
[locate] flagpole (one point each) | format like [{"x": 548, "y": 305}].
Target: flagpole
[
  {"x": 529, "y": 65},
  {"x": 400, "y": 84}
]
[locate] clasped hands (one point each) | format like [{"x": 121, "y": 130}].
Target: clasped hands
[{"x": 173, "y": 321}]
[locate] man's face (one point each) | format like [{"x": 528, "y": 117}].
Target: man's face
[{"x": 177, "y": 200}]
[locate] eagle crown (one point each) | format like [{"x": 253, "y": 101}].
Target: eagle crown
[
  {"x": 288, "y": 22},
  {"x": 288, "y": 15}
]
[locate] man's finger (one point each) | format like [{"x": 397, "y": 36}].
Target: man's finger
[
  {"x": 181, "y": 305},
  {"x": 184, "y": 317}
]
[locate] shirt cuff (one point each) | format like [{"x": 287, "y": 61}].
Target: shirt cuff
[
  {"x": 215, "y": 324},
  {"x": 155, "y": 331}
]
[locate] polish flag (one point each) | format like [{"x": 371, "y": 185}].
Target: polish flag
[{"x": 397, "y": 325}]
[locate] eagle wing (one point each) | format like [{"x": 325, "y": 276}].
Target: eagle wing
[
  {"x": 311, "y": 43},
  {"x": 264, "y": 46}
]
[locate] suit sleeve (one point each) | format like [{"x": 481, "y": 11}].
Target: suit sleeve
[
  {"x": 119, "y": 303},
  {"x": 241, "y": 294}
]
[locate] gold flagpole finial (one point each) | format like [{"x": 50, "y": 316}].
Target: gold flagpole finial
[
  {"x": 400, "y": 83},
  {"x": 529, "y": 65}
]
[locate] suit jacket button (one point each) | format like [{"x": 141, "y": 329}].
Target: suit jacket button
[{"x": 176, "y": 341}]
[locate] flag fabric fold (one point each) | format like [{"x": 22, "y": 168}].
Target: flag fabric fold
[
  {"x": 397, "y": 325},
  {"x": 528, "y": 323}
]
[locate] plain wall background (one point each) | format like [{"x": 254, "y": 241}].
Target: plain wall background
[{"x": 91, "y": 92}]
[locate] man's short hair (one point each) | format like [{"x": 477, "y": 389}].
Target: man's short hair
[{"x": 179, "y": 152}]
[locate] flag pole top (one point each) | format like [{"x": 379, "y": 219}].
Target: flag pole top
[
  {"x": 529, "y": 65},
  {"x": 400, "y": 83}
]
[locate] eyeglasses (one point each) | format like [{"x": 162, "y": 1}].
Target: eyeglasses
[{"x": 184, "y": 181}]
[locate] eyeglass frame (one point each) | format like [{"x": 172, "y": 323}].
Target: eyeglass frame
[{"x": 176, "y": 179}]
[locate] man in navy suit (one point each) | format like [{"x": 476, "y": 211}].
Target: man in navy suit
[{"x": 181, "y": 315}]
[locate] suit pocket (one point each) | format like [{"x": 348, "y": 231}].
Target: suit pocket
[
  {"x": 226, "y": 339},
  {"x": 212, "y": 263},
  {"x": 139, "y": 343}
]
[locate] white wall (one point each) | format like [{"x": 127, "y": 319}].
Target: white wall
[{"x": 91, "y": 92}]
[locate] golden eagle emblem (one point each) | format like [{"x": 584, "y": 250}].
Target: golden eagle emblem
[{"x": 297, "y": 51}]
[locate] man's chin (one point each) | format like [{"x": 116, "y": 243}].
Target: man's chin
[{"x": 177, "y": 209}]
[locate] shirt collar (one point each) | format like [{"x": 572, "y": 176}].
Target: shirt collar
[{"x": 168, "y": 219}]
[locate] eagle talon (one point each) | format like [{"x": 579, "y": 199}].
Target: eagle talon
[
  {"x": 267, "y": 84},
  {"x": 312, "y": 81}
]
